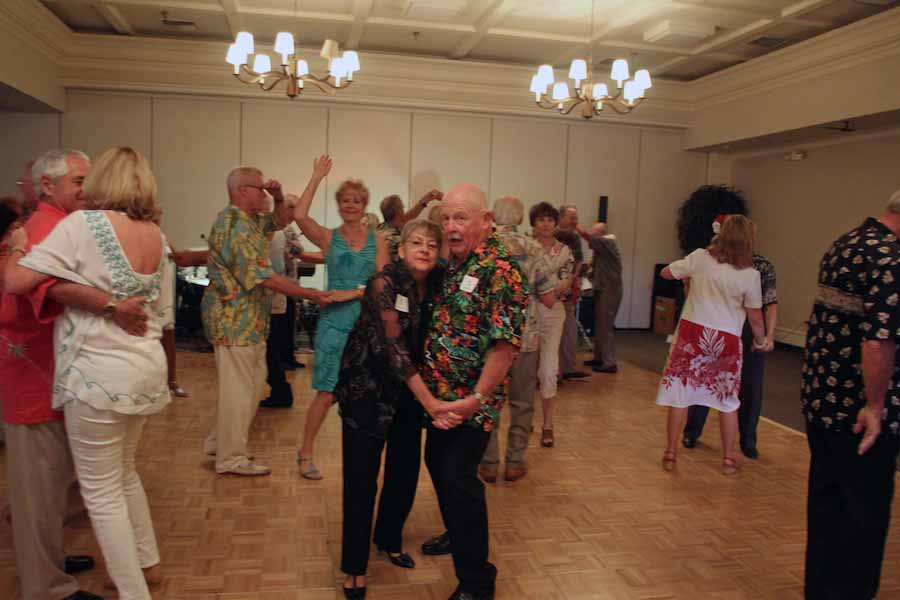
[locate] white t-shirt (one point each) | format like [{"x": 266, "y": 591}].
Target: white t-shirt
[{"x": 719, "y": 291}]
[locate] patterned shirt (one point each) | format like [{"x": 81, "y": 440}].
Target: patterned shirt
[
  {"x": 573, "y": 241},
  {"x": 857, "y": 301},
  {"x": 766, "y": 279},
  {"x": 392, "y": 235},
  {"x": 537, "y": 269},
  {"x": 607, "y": 263},
  {"x": 235, "y": 306},
  {"x": 483, "y": 300}
]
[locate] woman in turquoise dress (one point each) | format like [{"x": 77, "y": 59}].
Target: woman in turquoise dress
[{"x": 350, "y": 252}]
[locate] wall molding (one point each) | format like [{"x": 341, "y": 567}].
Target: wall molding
[{"x": 791, "y": 337}]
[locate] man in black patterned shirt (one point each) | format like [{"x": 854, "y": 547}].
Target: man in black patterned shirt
[{"x": 851, "y": 401}]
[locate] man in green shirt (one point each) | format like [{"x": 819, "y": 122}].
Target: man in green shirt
[{"x": 236, "y": 309}]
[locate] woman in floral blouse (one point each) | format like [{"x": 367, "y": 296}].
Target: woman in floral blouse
[{"x": 381, "y": 396}]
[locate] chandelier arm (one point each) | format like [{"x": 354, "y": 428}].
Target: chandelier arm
[{"x": 554, "y": 104}]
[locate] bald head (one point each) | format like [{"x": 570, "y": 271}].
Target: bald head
[
  {"x": 598, "y": 229},
  {"x": 466, "y": 219}
]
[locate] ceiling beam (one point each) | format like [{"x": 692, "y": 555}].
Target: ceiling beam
[
  {"x": 113, "y": 16},
  {"x": 492, "y": 16},
  {"x": 232, "y": 15},
  {"x": 361, "y": 11}
]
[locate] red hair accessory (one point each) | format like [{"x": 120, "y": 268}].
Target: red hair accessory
[{"x": 717, "y": 223}]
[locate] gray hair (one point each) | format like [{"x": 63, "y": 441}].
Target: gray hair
[
  {"x": 894, "y": 202},
  {"x": 564, "y": 207},
  {"x": 238, "y": 175},
  {"x": 508, "y": 211},
  {"x": 53, "y": 164}
]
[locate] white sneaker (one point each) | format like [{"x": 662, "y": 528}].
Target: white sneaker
[
  {"x": 246, "y": 467},
  {"x": 212, "y": 454}
]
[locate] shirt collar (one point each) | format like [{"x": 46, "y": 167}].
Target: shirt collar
[{"x": 50, "y": 210}]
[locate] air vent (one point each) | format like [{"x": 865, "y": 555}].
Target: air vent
[
  {"x": 177, "y": 24},
  {"x": 769, "y": 42}
]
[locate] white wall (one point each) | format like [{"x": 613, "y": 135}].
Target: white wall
[
  {"x": 194, "y": 141},
  {"x": 801, "y": 207}
]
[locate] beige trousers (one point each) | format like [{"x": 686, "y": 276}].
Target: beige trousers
[
  {"x": 39, "y": 474},
  {"x": 241, "y": 371},
  {"x": 522, "y": 385}
]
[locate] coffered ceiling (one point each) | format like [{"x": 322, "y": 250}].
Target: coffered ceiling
[{"x": 676, "y": 39}]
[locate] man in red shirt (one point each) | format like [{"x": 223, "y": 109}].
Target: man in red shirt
[{"x": 40, "y": 469}]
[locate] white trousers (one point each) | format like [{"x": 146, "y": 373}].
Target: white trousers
[
  {"x": 103, "y": 444},
  {"x": 550, "y": 323},
  {"x": 241, "y": 371}
]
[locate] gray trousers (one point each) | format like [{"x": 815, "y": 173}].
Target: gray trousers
[
  {"x": 39, "y": 474},
  {"x": 522, "y": 387},
  {"x": 606, "y": 306},
  {"x": 568, "y": 345}
]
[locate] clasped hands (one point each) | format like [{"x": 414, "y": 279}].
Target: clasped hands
[
  {"x": 447, "y": 415},
  {"x": 762, "y": 345}
]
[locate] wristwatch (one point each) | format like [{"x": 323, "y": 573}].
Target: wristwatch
[
  {"x": 478, "y": 396},
  {"x": 109, "y": 309}
]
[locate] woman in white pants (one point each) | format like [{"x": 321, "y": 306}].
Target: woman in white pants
[
  {"x": 544, "y": 218},
  {"x": 107, "y": 380}
]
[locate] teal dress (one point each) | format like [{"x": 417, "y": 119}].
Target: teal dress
[{"x": 347, "y": 270}]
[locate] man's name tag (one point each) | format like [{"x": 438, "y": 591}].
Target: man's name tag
[
  {"x": 402, "y": 303},
  {"x": 469, "y": 283}
]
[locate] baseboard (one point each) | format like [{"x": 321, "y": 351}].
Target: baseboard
[{"x": 791, "y": 337}]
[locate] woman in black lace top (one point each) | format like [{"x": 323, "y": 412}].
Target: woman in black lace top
[{"x": 381, "y": 397}]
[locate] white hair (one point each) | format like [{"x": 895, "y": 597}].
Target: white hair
[
  {"x": 564, "y": 207},
  {"x": 508, "y": 211},
  {"x": 53, "y": 164},
  {"x": 894, "y": 203}
]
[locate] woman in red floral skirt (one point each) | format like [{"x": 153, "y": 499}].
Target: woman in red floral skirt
[{"x": 704, "y": 366}]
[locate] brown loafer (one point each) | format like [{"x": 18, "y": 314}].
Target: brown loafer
[
  {"x": 515, "y": 473},
  {"x": 488, "y": 473}
]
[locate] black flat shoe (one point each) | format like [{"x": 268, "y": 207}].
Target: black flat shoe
[
  {"x": 689, "y": 442},
  {"x": 459, "y": 595},
  {"x": 83, "y": 595},
  {"x": 400, "y": 559},
  {"x": 269, "y": 403},
  {"x": 751, "y": 453},
  {"x": 355, "y": 592},
  {"x": 437, "y": 546},
  {"x": 78, "y": 564}
]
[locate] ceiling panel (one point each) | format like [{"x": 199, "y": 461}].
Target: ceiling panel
[
  {"x": 324, "y": 6},
  {"x": 80, "y": 16},
  {"x": 393, "y": 39},
  {"x": 696, "y": 67},
  {"x": 147, "y": 20},
  {"x": 307, "y": 32},
  {"x": 534, "y": 52}
]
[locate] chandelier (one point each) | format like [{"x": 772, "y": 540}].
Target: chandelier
[
  {"x": 592, "y": 96},
  {"x": 293, "y": 70}
]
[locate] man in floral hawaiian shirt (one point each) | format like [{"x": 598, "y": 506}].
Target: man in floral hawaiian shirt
[
  {"x": 476, "y": 332},
  {"x": 236, "y": 308},
  {"x": 851, "y": 401}
]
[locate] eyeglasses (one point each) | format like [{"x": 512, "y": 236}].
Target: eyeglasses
[
  {"x": 20, "y": 182},
  {"x": 256, "y": 187}
]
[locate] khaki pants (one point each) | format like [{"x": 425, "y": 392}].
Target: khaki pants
[
  {"x": 522, "y": 385},
  {"x": 39, "y": 475},
  {"x": 568, "y": 345},
  {"x": 606, "y": 306},
  {"x": 241, "y": 372}
]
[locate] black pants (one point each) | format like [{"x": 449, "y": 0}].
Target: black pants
[
  {"x": 452, "y": 457},
  {"x": 286, "y": 341},
  {"x": 362, "y": 459},
  {"x": 751, "y": 397},
  {"x": 281, "y": 389},
  {"x": 848, "y": 513}
]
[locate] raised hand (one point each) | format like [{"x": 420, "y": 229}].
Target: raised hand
[
  {"x": 322, "y": 166},
  {"x": 130, "y": 316},
  {"x": 433, "y": 194},
  {"x": 273, "y": 186}
]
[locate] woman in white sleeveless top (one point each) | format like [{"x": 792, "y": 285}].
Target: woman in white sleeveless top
[{"x": 107, "y": 381}]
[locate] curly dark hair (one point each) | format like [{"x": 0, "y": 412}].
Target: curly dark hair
[
  {"x": 10, "y": 212},
  {"x": 542, "y": 209},
  {"x": 696, "y": 214}
]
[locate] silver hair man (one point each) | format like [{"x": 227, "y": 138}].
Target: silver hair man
[
  {"x": 508, "y": 211},
  {"x": 53, "y": 164}
]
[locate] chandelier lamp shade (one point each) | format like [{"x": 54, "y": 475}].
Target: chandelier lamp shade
[
  {"x": 292, "y": 70},
  {"x": 591, "y": 97}
]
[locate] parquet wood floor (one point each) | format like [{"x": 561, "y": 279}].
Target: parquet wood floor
[{"x": 596, "y": 517}]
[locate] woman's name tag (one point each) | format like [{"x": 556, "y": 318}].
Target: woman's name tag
[
  {"x": 402, "y": 303},
  {"x": 469, "y": 283}
]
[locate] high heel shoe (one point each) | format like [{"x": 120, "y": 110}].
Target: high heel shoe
[
  {"x": 355, "y": 592},
  {"x": 399, "y": 559}
]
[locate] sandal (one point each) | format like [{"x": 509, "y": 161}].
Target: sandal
[
  {"x": 729, "y": 466},
  {"x": 177, "y": 390},
  {"x": 668, "y": 460},
  {"x": 547, "y": 438},
  {"x": 311, "y": 471}
]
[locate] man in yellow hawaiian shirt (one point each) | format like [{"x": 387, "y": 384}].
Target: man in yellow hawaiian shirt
[
  {"x": 476, "y": 331},
  {"x": 236, "y": 309}
]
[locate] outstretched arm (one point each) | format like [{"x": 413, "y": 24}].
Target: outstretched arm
[{"x": 318, "y": 235}]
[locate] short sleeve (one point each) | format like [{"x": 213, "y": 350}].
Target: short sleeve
[
  {"x": 508, "y": 301},
  {"x": 880, "y": 296},
  {"x": 767, "y": 280},
  {"x": 753, "y": 291},
  {"x": 685, "y": 267}
]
